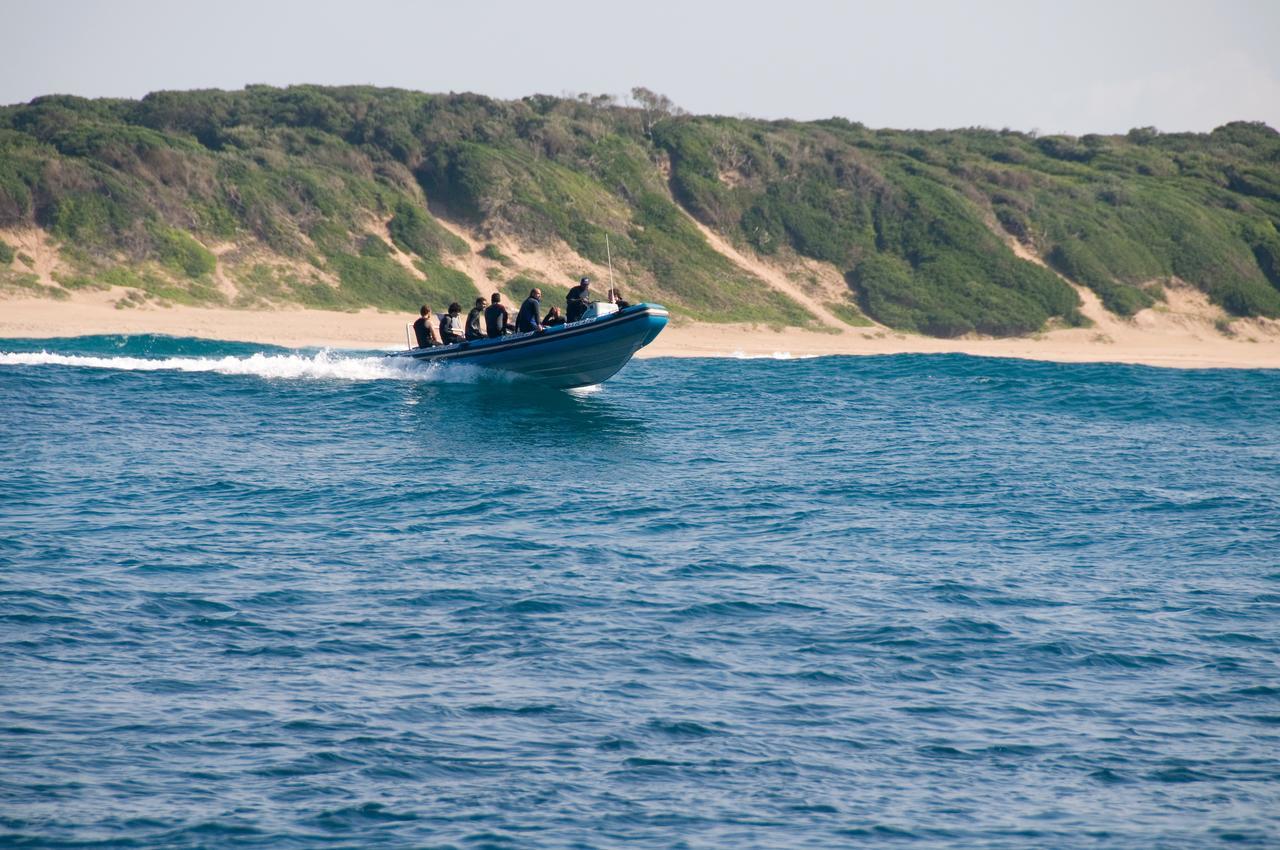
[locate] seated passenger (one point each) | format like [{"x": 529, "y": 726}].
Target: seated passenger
[
  {"x": 615, "y": 297},
  {"x": 497, "y": 318},
  {"x": 423, "y": 330},
  {"x": 474, "y": 330},
  {"x": 553, "y": 317},
  {"x": 527, "y": 318},
  {"x": 451, "y": 325},
  {"x": 578, "y": 300}
]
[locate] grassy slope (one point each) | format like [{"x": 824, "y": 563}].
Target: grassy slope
[{"x": 135, "y": 191}]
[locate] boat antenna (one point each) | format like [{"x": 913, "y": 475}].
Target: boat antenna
[{"x": 613, "y": 292}]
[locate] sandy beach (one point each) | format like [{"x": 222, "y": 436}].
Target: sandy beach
[{"x": 1185, "y": 332}]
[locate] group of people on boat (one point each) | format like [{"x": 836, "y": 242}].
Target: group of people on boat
[{"x": 491, "y": 318}]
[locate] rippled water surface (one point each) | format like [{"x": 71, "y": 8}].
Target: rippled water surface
[{"x": 254, "y": 598}]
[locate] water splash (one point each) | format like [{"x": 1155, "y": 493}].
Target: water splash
[{"x": 323, "y": 365}]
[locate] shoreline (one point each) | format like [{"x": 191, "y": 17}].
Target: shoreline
[{"x": 1175, "y": 339}]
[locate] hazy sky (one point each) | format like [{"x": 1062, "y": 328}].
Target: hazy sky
[{"x": 1058, "y": 66}]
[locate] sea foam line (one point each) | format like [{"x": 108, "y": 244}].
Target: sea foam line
[
  {"x": 777, "y": 355},
  {"x": 322, "y": 365}
]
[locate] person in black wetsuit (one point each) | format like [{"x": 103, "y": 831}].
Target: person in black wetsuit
[
  {"x": 527, "y": 319},
  {"x": 578, "y": 300},
  {"x": 553, "y": 317},
  {"x": 451, "y": 326},
  {"x": 497, "y": 318},
  {"x": 474, "y": 320},
  {"x": 422, "y": 328}
]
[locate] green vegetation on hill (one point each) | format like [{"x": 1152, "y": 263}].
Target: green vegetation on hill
[
  {"x": 137, "y": 192},
  {"x": 911, "y": 216}
]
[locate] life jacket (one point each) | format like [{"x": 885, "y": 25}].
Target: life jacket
[{"x": 450, "y": 326}]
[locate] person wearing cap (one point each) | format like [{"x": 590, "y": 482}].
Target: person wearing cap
[{"x": 578, "y": 300}]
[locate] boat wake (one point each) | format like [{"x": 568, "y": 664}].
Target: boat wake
[{"x": 324, "y": 365}]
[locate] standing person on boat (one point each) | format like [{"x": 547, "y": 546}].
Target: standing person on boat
[
  {"x": 497, "y": 318},
  {"x": 578, "y": 300},
  {"x": 452, "y": 326},
  {"x": 527, "y": 319},
  {"x": 474, "y": 328},
  {"x": 422, "y": 328}
]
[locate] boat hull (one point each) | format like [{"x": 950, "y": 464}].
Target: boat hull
[{"x": 565, "y": 356}]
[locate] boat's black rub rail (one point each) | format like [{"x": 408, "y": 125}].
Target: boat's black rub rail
[{"x": 521, "y": 340}]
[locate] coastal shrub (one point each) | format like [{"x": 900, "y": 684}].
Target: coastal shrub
[
  {"x": 28, "y": 284},
  {"x": 214, "y": 218},
  {"x": 7, "y": 253},
  {"x": 953, "y": 276},
  {"x": 1076, "y": 262},
  {"x": 21, "y": 165},
  {"x": 1245, "y": 297},
  {"x": 156, "y": 284},
  {"x": 491, "y": 252},
  {"x": 415, "y": 232},
  {"x": 815, "y": 218},
  {"x": 77, "y": 281},
  {"x": 541, "y": 200},
  {"x": 849, "y": 314},
  {"x": 517, "y": 289},
  {"x": 372, "y": 246},
  {"x": 694, "y": 170},
  {"x": 1265, "y": 242},
  {"x": 1064, "y": 147},
  {"x": 379, "y": 281},
  {"x": 90, "y": 218},
  {"x": 445, "y": 283},
  {"x": 1014, "y": 223},
  {"x": 703, "y": 281},
  {"x": 179, "y": 251}
]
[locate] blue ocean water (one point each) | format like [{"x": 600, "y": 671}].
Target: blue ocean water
[{"x": 259, "y": 598}]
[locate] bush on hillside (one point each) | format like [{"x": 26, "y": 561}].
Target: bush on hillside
[
  {"x": 415, "y": 232},
  {"x": 491, "y": 252},
  {"x": 180, "y": 252}
]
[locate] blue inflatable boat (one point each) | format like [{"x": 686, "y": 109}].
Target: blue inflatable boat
[{"x": 579, "y": 354}]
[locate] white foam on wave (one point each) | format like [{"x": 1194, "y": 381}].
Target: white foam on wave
[
  {"x": 583, "y": 392},
  {"x": 777, "y": 355},
  {"x": 323, "y": 365}
]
